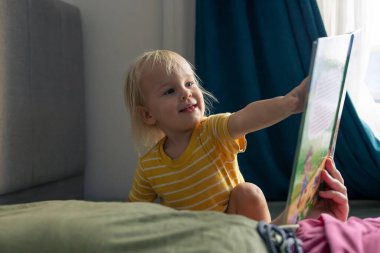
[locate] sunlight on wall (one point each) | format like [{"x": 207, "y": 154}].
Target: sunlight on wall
[
  {"x": 368, "y": 110},
  {"x": 364, "y": 83},
  {"x": 373, "y": 75},
  {"x": 374, "y": 22}
]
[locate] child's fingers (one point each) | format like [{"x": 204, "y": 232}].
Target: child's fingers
[
  {"x": 330, "y": 167},
  {"x": 337, "y": 202},
  {"x": 336, "y": 196},
  {"x": 333, "y": 183}
]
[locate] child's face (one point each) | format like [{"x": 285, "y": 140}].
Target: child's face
[{"x": 173, "y": 102}]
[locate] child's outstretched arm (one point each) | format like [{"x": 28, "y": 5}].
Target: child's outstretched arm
[{"x": 264, "y": 113}]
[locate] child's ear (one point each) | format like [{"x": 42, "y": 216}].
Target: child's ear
[{"x": 145, "y": 115}]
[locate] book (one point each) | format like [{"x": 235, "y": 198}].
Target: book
[{"x": 320, "y": 122}]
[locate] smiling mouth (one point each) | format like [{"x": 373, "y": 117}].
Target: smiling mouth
[{"x": 190, "y": 108}]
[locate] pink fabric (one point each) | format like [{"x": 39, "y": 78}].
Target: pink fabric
[{"x": 327, "y": 234}]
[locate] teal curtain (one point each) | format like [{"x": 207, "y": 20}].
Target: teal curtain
[
  {"x": 357, "y": 155},
  {"x": 255, "y": 49}
]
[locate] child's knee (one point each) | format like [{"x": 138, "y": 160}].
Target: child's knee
[
  {"x": 250, "y": 192},
  {"x": 247, "y": 199}
]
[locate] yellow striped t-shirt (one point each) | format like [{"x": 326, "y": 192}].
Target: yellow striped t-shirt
[{"x": 201, "y": 178}]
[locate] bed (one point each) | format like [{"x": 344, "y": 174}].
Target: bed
[{"x": 83, "y": 226}]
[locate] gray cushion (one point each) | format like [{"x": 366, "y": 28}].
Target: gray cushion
[{"x": 41, "y": 93}]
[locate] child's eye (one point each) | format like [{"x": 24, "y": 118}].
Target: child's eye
[
  {"x": 169, "y": 91},
  {"x": 188, "y": 84}
]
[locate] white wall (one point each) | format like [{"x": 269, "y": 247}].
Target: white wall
[{"x": 115, "y": 32}]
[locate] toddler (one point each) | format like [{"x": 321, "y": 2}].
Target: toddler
[{"x": 189, "y": 158}]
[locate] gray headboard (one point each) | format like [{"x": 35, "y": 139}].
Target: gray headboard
[{"x": 42, "y": 122}]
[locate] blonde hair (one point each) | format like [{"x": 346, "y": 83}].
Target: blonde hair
[{"x": 145, "y": 136}]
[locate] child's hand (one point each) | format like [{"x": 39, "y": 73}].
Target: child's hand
[
  {"x": 296, "y": 97},
  {"x": 264, "y": 113},
  {"x": 334, "y": 198}
]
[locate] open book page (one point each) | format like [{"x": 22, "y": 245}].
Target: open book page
[{"x": 319, "y": 124}]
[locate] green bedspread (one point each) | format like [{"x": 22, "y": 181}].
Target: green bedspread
[{"x": 84, "y": 226}]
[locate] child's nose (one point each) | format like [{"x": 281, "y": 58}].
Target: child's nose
[{"x": 185, "y": 94}]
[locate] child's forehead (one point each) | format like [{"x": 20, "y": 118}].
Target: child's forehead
[
  {"x": 182, "y": 69},
  {"x": 158, "y": 76}
]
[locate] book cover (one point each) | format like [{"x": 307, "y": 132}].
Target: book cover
[{"x": 320, "y": 122}]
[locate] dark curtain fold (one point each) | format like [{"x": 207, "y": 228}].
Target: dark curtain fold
[
  {"x": 255, "y": 49},
  {"x": 357, "y": 155}
]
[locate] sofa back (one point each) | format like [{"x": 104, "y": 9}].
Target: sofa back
[{"x": 42, "y": 121}]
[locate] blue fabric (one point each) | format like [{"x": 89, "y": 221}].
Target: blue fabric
[
  {"x": 248, "y": 50},
  {"x": 357, "y": 155}
]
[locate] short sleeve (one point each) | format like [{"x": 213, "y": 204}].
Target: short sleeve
[
  {"x": 142, "y": 190},
  {"x": 218, "y": 126}
]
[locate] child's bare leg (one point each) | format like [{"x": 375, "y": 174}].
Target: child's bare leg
[{"x": 247, "y": 199}]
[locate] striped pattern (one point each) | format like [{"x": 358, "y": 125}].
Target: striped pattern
[{"x": 201, "y": 179}]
